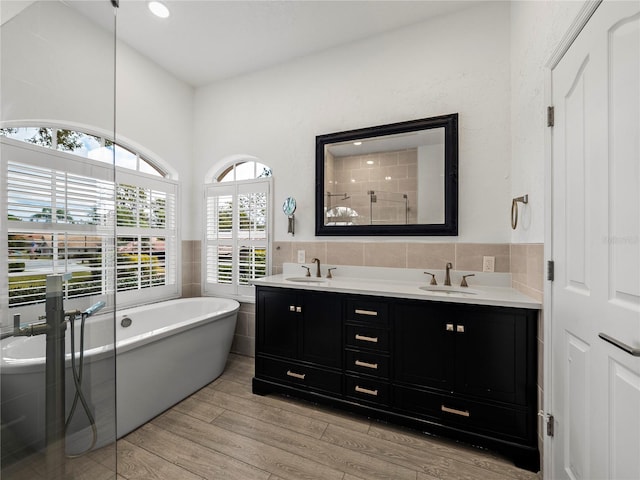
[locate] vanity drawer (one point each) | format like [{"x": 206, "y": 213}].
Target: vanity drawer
[
  {"x": 299, "y": 375},
  {"x": 367, "y": 363},
  {"x": 498, "y": 420},
  {"x": 367, "y": 389},
  {"x": 367, "y": 311},
  {"x": 363, "y": 336}
]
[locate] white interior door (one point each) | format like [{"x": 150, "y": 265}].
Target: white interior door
[{"x": 595, "y": 396}]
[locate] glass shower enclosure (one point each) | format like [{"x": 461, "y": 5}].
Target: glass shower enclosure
[{"x": 57, "y": 235}]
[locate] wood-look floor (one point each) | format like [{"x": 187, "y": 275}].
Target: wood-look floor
[{"x": 225, "y": 432}]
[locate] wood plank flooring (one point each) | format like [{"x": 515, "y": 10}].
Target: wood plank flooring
[{"x": 225, "y": 432}]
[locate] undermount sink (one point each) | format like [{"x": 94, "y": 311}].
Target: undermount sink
[
  {"x": 306, "y": 280},
  {"x": 448, "y": 290}
]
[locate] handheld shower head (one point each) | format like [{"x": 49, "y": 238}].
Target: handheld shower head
[{"x": 93, "y": 309}]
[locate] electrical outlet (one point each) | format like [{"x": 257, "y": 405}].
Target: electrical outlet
[
  {"x": 488, "y": 264},
  {"x": 301, "y": 256}
]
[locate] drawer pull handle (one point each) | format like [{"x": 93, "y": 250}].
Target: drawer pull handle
[
  {"x": 360, "y": 389},
  {"x": 364, "y": 338},
  {"x": 372, "y": 313},
  {"x": 360, "y": 363},
  {"x": 296, "y": 375},
  {"x": 462, "y": 413}
]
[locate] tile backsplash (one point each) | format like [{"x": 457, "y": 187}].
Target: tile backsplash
[{"x": 463, "y": 256}]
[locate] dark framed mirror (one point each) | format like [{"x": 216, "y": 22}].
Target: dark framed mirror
[{"x": 395, "y": 179}]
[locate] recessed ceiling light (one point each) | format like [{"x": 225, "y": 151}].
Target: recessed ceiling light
[
  {"x": 159, "y": 9},
  {"x": 369, "y": 162},
  {"x": 357, "y": 143}
]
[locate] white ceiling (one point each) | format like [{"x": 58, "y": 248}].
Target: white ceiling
[{"x": 207, "y": 40}]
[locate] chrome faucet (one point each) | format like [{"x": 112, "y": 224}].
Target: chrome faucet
[
  {"x": 317, "y": 262},
  {"x": 447, "y": 276}
]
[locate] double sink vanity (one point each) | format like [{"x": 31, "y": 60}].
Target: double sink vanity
[{"x": 448, "y": 360}]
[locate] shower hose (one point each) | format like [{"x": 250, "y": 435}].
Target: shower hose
[{"x": 79, "y": 396}]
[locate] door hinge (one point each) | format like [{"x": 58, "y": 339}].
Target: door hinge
[
  {"x": 550, "y": 425},
  {"x": 550, "y": 116},
  {"x": 551, "y": 270}
]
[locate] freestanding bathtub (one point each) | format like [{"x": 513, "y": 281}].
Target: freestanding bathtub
[{"x": 164, "y": 352}]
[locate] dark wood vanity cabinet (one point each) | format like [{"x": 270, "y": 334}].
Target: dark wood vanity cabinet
[
  {"x": 471, "y": 367},
  {"x": 299, "y": 338},
  {"x": 463, "y": 371}
]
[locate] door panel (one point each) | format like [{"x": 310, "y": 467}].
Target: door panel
[
  {"x": 624, "y": 411},
  {"x": 576, "y": 459},
  {"x": 595, "y": 179}
]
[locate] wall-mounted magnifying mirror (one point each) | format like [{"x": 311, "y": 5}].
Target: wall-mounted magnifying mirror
[{"x": 396, "y": 179}]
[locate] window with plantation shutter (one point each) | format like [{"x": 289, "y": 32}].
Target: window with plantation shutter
[
  {"x": 237, "y": 236},
  {"x": 63, "y": 213}
]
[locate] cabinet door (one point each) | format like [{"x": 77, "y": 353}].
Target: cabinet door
[
  {"x": 277, "y": 322},
  {"x": 321, "y": 329},
  {"x": 423, "y": 348},
  {"x": 491, "y": 353}
]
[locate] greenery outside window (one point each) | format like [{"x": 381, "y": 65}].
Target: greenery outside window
[
  {"x": 236, "y": 246},
  {"x": 62, "y": 211}
]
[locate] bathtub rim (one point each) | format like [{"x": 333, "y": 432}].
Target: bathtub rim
[{"x": 13, "y": 366}]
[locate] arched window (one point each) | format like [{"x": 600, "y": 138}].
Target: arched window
[
  {"x": 238, "y": 211},
  {"x": 62, "y": 209},
  {"x": 85, "y": 145}
]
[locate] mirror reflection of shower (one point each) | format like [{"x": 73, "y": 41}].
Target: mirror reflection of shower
[
  {"x": 375, "y": 207},
  {"x": 343, "y": 196},
  {"x": 388, "y": 208}
]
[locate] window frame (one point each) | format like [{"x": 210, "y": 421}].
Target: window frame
[
  {"x": 45, "y": 157},
  {"x": 245, "y": 293}
]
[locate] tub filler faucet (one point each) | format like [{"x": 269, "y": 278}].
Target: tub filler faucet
[{"x": 54, "y": 327}]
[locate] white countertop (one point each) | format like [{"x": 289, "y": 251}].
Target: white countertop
[{"x": 484, "y": 289}]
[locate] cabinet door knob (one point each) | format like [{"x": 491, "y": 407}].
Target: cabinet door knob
[
  {"x": 462, "y": 413},
  {"x": 449, "y": 327},
  {"x": 460, "y": 328},
  {"x": 296, "y": 375},
  {"x": 360, "y": 389},
  {"x": 364, "y": 338},
  {"x": 292, "y": 308},
  {"x": 298, "y": 309},
  {"x": 360, "y": 363}
]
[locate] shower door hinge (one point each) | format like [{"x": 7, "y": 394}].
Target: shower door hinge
[
  {"x": 550, "y": 116},
  {"x": 550, "y": 425},
  {"x": 551, "y": 270}
]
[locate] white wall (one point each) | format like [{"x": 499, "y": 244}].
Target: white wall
[
  {"x": 536, "y": 30},
  {"x": 58, "y": 66},
  {"x": 456, "y": 63}
]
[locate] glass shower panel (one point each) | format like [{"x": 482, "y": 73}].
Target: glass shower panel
[{"x": 57, "y": 224}]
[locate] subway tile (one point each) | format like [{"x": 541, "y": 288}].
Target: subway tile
[
  {"x": 430, "y": 255},
  {"x": 244, "y": 345},
  {"x": 345, "y": 253},
  {"x": 197, "y": 250},
  {"x": 187, "y": 254},
  {"x": 469, "y": 256},
  {"x": 385, "y": 254},
  {"x": 311, "y": 249},
  {"x": 519, "y": 263},
  {"x": 535, "y": 266},
  {"x": 281, "y": 253}
]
